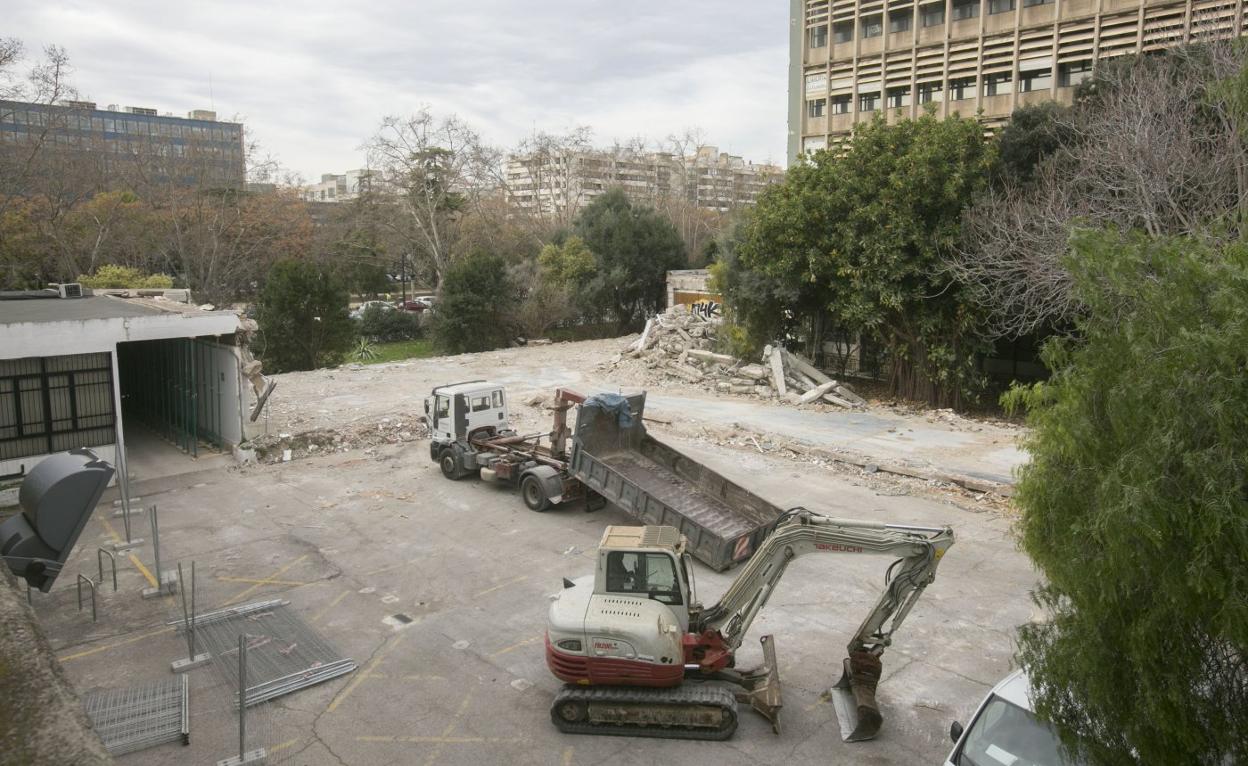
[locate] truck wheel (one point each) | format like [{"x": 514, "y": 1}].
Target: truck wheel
[
  {"x": 450, "y": 465},
  {"x": 534, "y": 494}
]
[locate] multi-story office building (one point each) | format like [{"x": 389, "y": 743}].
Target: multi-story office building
[
  {"x": 850, "y": 59},
  {"x": 195, "y": 150},
  {"x": 561, "y": 183},
  {"x": 339, "y": 188}
]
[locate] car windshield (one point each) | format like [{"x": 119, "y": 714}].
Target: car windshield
[{"x": 1007, "y": 735}]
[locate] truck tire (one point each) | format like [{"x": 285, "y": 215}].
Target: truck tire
[
  {"x": 534, "y": 494},
  {"x": 452, "y": 468}
]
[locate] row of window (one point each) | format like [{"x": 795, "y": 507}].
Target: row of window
[
  {"x": 133, "y": 127},
  {"x": 960, "y": 89},
  {"x": 930, "y": 15}
]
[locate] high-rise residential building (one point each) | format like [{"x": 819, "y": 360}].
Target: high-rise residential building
[
  {"x": 852, "y": 59},
  {"x": 562, "y": 182},
  {"x": 339, "y": 187},
  {"x": 197, "y": 149}
]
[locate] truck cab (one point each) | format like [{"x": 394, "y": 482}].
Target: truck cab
[{"x": 459, "y": 412}]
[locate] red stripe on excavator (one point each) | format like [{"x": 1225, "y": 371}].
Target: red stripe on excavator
[{"x": 595, "y": 671}]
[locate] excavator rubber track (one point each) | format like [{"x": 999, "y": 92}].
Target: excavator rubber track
[{"x": 623, "y": 711}]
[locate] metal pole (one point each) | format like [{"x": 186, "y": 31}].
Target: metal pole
[
  {"x": 192, "y": 608},
  {"x": 123, "y": 472},
  {"x": 186, "y": 616},
  {"x": 151, "y": 517},
  {"x": 242, "y": 697}
]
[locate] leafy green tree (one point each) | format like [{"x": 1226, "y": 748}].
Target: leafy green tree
[
  {"x": 124, "y": 277},
  {"x": 634, "y": 247},
  {"x": 568, "y": 262},
  {"x": 383, "y": 324},
  {"x": 474, "y": 303},
  {"x": 1135, "y": 509},
  {"x": 303, "y": 317},
  {"x": 861, "y": 237},
  {"x": 1034, "y": 132}
]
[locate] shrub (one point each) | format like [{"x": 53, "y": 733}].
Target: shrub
[
  {"x": 303, "y": 317},
  {"x": 115, "y": 277},
  {"x": 386, "y": 325}
]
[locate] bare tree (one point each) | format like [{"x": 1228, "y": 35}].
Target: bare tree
[
  {"x": 436, "y": 168},
  {"x": 1156, "y": 146},
  {"x": 543, "y": 179}
]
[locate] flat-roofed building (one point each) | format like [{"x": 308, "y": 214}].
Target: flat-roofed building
[{"x": 853, "y": 59}]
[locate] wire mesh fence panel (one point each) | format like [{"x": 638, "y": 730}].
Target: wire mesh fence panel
[
  {"x": 284, "y": 655},
  {"x": 139, "y": 717}
]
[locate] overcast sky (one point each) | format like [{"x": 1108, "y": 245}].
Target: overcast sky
[{"x": 312, "y": 80}]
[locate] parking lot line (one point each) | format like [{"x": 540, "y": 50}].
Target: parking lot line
[
  {"x": 264, "y": 581},
  {"x": 503, "y": 584},
  {"x": 106, "y": 647},
  {"x": 517, "y": 645},
  {"x": 368, "y": 671},
  {"x": 337, "y": 599}
]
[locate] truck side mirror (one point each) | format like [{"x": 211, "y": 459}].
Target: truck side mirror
[{"x": 955, "y": 732}]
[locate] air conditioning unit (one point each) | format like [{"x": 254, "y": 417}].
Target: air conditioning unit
[{"x": 67, "y": 289}]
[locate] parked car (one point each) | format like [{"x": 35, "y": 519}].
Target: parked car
[
  {"x": 413, "y": 305},
  {"x": 358, "y": 313},
  {"x": 1005, "y": 730}
]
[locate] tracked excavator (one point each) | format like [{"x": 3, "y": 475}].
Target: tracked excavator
[{"x": 641, "y": 657}]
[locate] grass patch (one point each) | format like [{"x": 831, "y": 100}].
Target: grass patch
[{"x": 397, "y": 351}]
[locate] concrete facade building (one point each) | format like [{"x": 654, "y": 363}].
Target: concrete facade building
[
  {"x": 852, "y": 59},
  {"x": 339, "y": 187},
  {"x": 563, "y": 182},
  {"x": 197, "y": 149}
]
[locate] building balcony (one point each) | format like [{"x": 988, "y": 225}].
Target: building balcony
[
  {"x": 816, "y": 56},
  {"x": 898, "y": 40},
  {"x": 1039, "y": 14},
  {"x": 897, "y": 114},
  {"x": 997, "y": 22},
  {"x": 964, "y": 28},
  {"x": 1034, "y": 97},
  {"x": 840, "y": 123},
  {"x": 816, "y": 125},
  {"x": 1118, "y": 5},
  {"x": 1065, "y": 96},
  {"x": 870, "y": 45},
  {"x": 932, "y": 34},
  {"x": 843, "y": 51},
  {"x": 998, "y": 106}
]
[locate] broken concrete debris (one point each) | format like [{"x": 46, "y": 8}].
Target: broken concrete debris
[{"x": 680, "y": 343}]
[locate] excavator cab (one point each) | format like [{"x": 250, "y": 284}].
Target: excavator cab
[{"x": 646, "y": 562}]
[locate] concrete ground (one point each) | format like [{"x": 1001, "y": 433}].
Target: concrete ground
[{"x": 353, "y": 538}]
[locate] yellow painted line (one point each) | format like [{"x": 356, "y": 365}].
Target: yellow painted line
[
  {"x": 424, "y": 678},
  {"x": 284, "y": 745},
  {"x": 263, "y": 582},
  {"x": 391, "y": 566},
  {"x": 253, "y": 588},
  {"x": 503, "y": 584},
  {"x": 133, "y": 559},
  {"x": 337, "y": 599},
  {"x": 106, "y": 647},
  {"x": 342, "y": 695},
  {"x": 567, "y": 756},
  {"x": 450, "y": 728},
  {"x": 517, "y": 645}
]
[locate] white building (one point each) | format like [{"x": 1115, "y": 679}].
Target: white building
[{"x": 339, "y": 188}]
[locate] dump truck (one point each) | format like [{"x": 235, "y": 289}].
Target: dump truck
[{"x": 608, "y": 455}]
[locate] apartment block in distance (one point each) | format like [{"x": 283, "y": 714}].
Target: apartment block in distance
[
  {"x": 850, "y": 59},
  {"x": 563, "y": 182},
  {"x": 191, "y": 150},
  {"x": 343, "y": 187}
]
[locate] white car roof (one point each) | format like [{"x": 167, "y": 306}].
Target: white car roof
[{"x": 1015, "y": 689}]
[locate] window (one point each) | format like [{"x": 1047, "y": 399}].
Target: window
[
  {"x": 1038, "y": 79},
  {"x": 1072, "y": 74},
  {"x": 961, "y": 89},
  {"x": 898, "y": 97},
  {"x": 1030, "y": 3},
  {"x": 479, "y": 403},
  {"x": 842, "y": 32},
  {"x": 930, "y": 92},
  {"x": 900, "y": 21},
  {"x": 443, "y": 409},
  {"x": 814, "y": 144},
  {"x": 815, "y": 107},
  {"x": 999, "y": 84},
  {"x": 840, "y": 104},
  {"x": 498, "y": 398},
  {"x": 933, "y": 15},
  {"x": 646, "y": 574},
  {"x": 819, "y": 36},
  {"x": 868, "y": 102},
  {"x": 816, "y": 84},
  {"x": 873, "y": 26},
  {"x": 965, "y": 9},
  {"x": 1000, "y": 6}
]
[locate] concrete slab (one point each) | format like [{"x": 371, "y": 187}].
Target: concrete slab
[{"x": 439, "y": 590}]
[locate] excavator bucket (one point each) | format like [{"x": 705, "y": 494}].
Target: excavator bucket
[
  {"x": 854, "y": 697},
  {"x": 761, "y": 687}
]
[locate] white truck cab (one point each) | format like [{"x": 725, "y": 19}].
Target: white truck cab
[
  {"x": 1005, "y": 731},
  {"x": 458, "y": 411}
]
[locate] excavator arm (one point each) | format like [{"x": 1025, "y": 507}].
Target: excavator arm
[{"x": 917, "y": 550}]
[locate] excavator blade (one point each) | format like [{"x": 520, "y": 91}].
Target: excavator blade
[
  {"x": 854, "y": 697},
  {"x": 760, "y": 687}
]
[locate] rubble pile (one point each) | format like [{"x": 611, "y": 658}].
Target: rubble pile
[{"x": 679, "y": 343}]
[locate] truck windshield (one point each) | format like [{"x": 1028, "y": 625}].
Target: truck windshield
[{"x": 1007, "y": 735}]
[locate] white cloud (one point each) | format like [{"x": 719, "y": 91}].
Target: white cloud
[{"x": 312, "y": 80}]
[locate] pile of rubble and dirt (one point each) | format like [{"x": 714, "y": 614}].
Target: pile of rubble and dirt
[
  {"x": 679, "y": 344},
  {"x": 284, "y": 447}
]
